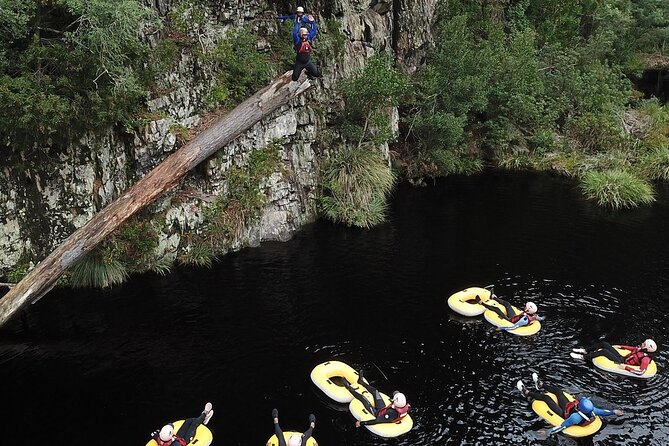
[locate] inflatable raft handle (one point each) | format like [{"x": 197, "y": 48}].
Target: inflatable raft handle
[{"x": 328, "y": 381}]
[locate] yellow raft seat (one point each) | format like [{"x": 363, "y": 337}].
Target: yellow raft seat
[
  {"x": 605, "y": 363},
  {"x": 322, "y": 376},
  {"x": 542, "y": 409},
  {"x": 203, "y": 436},
  {"x": 459, "y": 301},
  {"x": 387, "y": 430},
  {"x": 273, "y": 441},
  {"x": 497, "y": 321}
]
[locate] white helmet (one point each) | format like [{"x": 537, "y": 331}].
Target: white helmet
[
  {"x": 166, "y": 432},
  {"x": 651, "y": 346},
  {"x": 304, "y": 31},
  {"x": 530, "y": 307},
  {"x": 399, "y": 400},
  {"x": 295, "y": 440},
  {"x": 300, "y": 9}
]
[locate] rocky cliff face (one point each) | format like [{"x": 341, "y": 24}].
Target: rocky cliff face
[{"x": 43, "y": 200}]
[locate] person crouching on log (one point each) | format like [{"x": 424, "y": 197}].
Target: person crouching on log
[{"x": 303, "y": 39}]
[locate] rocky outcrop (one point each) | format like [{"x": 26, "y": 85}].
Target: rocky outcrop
[{"x": 44, "y": 200}]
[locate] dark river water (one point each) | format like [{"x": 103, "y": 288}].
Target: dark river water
[{"x": 108, "y": 367}]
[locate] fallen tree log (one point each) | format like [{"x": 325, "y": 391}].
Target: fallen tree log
[{"x": 155, "y": 184}]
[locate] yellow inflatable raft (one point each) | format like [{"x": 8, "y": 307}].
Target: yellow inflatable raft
[
  {"x": 322, "y": 376},
  {"x": 542, "y": 409},
  {"x": 387, "y": 430},
  {"x": 497, "y": 321},
  {"x": 605, "y": 363},
  {"x": 273, "y": 441},
  {"x": 203, "y": 436},
  {"x": 459, "y": 301}
]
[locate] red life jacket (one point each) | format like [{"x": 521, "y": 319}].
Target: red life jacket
[
  {"x": 305, "y": 47},
  {"x": 572, "y": 406},
  {"x": 174, "y": 442},
  {"x": 530, "y": 317},
  {"x": 401, "y": 412},
  {"x": 635, "y": 357}
]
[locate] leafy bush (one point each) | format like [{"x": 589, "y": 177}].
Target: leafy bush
[
  {"x": 72, "y": 67},
  {"x": 369, "y": 94},
  {"x": 240, "y": 67}
]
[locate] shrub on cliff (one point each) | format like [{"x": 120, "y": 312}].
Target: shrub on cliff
[
  {"x": 69, "y": 66},
  {"x": 356, "y": 184}
]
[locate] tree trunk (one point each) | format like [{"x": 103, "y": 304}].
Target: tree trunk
[{"x": 156, "y": 183}]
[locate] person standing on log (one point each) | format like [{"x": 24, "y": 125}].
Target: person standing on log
[
  {"x": 299, "y": 17},
  {"x": 303, "y": 40}
]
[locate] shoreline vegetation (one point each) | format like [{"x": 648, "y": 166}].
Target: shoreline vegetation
[{"x": 544, "y": 85}]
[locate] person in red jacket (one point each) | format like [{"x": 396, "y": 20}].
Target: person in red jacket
[
  {"x": 638, "y": 356},
  {"x": 391, "y": 413},
  {"x": 166, "y": 436}
]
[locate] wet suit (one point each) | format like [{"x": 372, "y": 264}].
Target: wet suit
[
  {"x": 185, "y": 433},
  {"x": 389, "y": 415},
  {"x": 304, "y": 48},
  {"x": 636, "y": 357},
  {"x": 282, "y": 441},
  {"x": 574, "y": 417},
  {"x": 510, "y": 314}
]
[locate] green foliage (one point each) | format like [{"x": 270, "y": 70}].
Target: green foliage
[
  {"x": 20, "y": 269},
  {"x": 241, "y": 69},
  {"x": 98, "y": 270},
  {"x": 369, "y": 94},
  {"x": 540, "y": 84},
  {"x": 198, "y": 254},
  {"x": 243, "y": 203},
  {"x": 188, "y": 17},
  {"x": 617, "y": 189},
  {"x": 655, "y": 163},
  {"x": 181, "y": 132},
  {"x": 331, "y": 42},
  {"x": 282, "y": 56},
  {"x": 449, "y": 162},
  {"x": 356, "y": 184},
  {"x": 164, "y": 56},
  {"x": 73, "y": 66}
]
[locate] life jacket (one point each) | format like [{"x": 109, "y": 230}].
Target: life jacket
[
  {"x": 635, "y": 357},
  {"x": 530, "y": 317},
  {"x": 401, "y": 412},
  {"x": 572, "y": 406},
  {"x": 304, "y": 47},
  {"x": 175, "y": 441}
]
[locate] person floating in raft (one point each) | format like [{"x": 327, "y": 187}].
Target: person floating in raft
[
  {"x": 294, "y": 440},
  {"x": 525, "y": 317},
  {"x": 578, "y": 412},
  {"x": 639, "y": 356},
  {"x": 391, "y": 413},
  {"x": 166, "y": 436},
  {"x": 303, "y": 40}
]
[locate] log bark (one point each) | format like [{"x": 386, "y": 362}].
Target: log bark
[{"x": 156, "y": 183}]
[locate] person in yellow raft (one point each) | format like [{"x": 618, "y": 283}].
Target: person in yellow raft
[
  {"x": 391, "y": 413},
  {"x": 638, "y": 356},
  {"x": 167, "y": 437},
  {"x": 294, "y": 440},
  {"x": 525, "y": 317}
]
